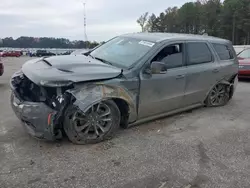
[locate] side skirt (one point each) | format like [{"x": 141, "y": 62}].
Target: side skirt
[{"x": 151, "y": 118}]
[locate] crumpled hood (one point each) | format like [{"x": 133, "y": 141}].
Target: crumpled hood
[{"x": 77, "y": 68}]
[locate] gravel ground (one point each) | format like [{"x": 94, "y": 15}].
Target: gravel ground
[{"x": 206, "y": 148}]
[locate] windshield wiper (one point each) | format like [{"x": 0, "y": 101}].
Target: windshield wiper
[
  {"x": 102, "y": 60},
  {"x": 91, "y": 56}
]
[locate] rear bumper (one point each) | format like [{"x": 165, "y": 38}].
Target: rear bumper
[{"x": 34, "y": 117}]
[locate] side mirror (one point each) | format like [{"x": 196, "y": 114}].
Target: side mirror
[{"x": 158, "y": 68}]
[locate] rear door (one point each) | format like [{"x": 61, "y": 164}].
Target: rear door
[{"x": 203, "y": 71}]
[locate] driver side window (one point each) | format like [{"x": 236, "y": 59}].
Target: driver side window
[{"x": 171, "y": 55}]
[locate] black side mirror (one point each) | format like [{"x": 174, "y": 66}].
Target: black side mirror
[{"x": 158, "y": 68}]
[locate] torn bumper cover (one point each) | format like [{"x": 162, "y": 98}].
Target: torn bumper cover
[{"x": 36, "y": 117}]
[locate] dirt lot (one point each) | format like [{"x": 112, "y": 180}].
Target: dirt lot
[{"x": 206, "y": 148}]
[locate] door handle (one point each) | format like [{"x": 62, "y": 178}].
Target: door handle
[
  {"x": 180, "y": 76},
  {"x": 215, "y": 70}
]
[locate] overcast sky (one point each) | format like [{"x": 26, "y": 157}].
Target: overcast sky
[{"x": 64, "y": 18}]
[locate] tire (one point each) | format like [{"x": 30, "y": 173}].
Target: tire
[
  {"x": 95, "y": 125},
  {"x": 218, "y": 96}
]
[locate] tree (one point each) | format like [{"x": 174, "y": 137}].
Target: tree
[
  {"x": 150, "y": 26},
  {"x": 229, "y": 19},
  {"x": 142, "y": 21},
  {"x": 45, "y": 42}
]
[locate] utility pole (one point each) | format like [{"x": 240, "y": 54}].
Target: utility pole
[{"x": 85, "y": 24}]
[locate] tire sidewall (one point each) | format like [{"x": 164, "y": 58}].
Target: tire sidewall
[
  {"x": 208, "y": 101},
  {"x": 74, "y": 136}
]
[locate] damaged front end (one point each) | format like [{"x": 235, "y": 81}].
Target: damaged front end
[{"x": 40, "y": 108}]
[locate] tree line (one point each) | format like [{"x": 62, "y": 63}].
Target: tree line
[
  {"x": 229, "y": 19},
  {"x": 45, "y": 42}
]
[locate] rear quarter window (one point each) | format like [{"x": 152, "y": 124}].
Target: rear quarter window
[{"x": 223, "y": 51}]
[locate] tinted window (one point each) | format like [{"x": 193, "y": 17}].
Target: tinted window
[
  {"x": 171, "y": 55},
  {"x": 223, "y": 51},
  {"x": 245, "y": 54},
  {"x": 198, "y": 52}
]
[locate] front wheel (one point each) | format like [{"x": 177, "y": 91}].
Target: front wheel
[
  {"x": 218, "y": 96},
  {"x": 99, "y": 123}
]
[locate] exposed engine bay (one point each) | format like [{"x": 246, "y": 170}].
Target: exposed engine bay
[{"x": 29, "y": 91}]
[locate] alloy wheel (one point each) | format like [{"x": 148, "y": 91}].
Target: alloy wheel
[
  {"x": 96, "y": 122},
  {"x": 219, "y": 95}
]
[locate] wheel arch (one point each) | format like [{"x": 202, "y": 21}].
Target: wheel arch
[
  {"x": 92, "y": 94},
  {"x": 231, "y": 83}
]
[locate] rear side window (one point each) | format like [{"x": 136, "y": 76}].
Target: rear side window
[
  {"x": 223, "y": 52},
  {"x": 198, "y": 52}
]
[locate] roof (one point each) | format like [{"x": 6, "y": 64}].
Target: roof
[{"x": 158, "y": 37}]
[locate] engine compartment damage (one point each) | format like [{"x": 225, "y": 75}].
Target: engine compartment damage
[
  {"x": 38, "y": 107},
  {"x": 42, "y": 109}
]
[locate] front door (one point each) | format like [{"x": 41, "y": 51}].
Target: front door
[{"x": 161, "y": 93}]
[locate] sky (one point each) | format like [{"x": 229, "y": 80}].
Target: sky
[{"x": 65, "y": 18}]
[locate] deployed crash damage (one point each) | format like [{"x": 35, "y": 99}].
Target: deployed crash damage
[
  {"x": 127, "y": 80},
  {"x": 46, "y": 100}
]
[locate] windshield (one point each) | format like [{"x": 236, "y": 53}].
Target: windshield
[{"x": 122, "y": 51}]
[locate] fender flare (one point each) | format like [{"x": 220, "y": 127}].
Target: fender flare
[{"x": 89, "y": 95}]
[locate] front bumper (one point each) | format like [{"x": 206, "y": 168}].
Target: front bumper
[{"x": 36, "y": 117}]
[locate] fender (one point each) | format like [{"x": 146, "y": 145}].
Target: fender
[{"x": 89, "y": 95}]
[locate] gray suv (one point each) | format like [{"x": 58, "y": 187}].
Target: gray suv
[{"x": 128, "y": 80}]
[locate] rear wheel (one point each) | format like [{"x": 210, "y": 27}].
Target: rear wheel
[
  {"x": 218, "y": 96},
  {"x": 99, "y": 123}
]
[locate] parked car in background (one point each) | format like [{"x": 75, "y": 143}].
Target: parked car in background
[
  {"x": 11, "y": 54},
  {"x": 244, "y": 63},
  {"x": 128, "y": 80},
  {"x": 1, "y": 67},
  {"x": 79, "y": 52},
  {"x": 66, "y": 53},
  {"x": 42, "y": 53}
]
